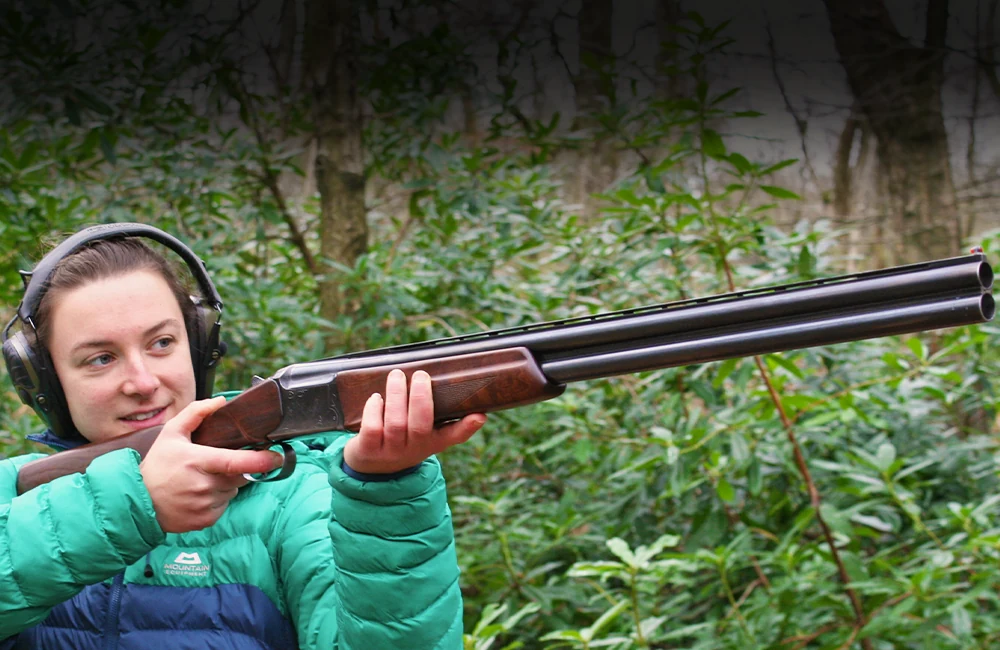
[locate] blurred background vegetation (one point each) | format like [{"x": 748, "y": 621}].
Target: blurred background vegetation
[{"x": 359, "y": 175}]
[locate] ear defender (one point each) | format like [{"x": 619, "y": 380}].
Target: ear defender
[
  {"x": 28, "y": 365},
  {"x": 206, "y": 348},
  {"x": 36, "y": 383}
]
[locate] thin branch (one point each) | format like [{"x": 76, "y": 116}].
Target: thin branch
[
  {"x": 801, "y": 124},
  {"x": 800, "y": 460},
  {"x": 400, "y": 237},
  {"x": 297, "y": 238},
  {"x": 270, "y": 178}
]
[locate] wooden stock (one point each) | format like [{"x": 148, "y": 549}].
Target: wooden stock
[
  {"x": 463, "y": 384},
  {"x": 71, "y": 461},
  {"x": 244, "y": 421}
]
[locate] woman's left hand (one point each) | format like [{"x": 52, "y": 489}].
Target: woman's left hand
[{"x": 399, "y": 433}]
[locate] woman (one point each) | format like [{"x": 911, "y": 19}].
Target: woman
[{"x": 176, "y": 550}]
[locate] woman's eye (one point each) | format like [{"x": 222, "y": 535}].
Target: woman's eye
[
  {"x": 100, "y": 360},
  {"x": 164, "y": 343}
]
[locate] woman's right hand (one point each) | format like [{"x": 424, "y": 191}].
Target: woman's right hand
[{"x": 190, "y": 484}]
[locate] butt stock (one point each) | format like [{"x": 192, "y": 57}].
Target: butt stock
[
  {"x": 242, "y": 422},
  {"x": 73, "y": 461}
]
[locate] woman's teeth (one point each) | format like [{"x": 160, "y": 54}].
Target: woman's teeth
[{"x": 143, "y": 416}]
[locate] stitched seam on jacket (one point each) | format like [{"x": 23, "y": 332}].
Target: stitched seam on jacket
[
  {"x": 13, "y": 569},
  {"x": 391, "y": 538},
  {"x": 279, "y": 529},
  {"x": 405, "y": 624},
  {"x": 49, "y": 520},
  {"x": 400, "y": 570},
  {"x": 280, "y": 523},
  {"x": 102, "y": 520},
  {"x": 145, "y": 500},
  {"x": 173, "y": 630}
]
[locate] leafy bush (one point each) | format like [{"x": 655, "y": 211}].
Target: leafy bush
[{"x": 827, "y": 498}]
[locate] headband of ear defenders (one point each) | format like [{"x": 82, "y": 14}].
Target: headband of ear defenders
[{"x": 39, "y": 277}]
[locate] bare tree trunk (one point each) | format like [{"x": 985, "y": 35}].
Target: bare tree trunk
[
  {"x": 898, "y": 88},
  {"x": 843, "y": 183},
  {"x": 331, "y": 75},
  {"x": 862, "y": 237},
  {"x": 842, "y": 177}
]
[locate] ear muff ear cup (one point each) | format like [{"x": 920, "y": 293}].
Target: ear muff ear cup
[
  {"x": 206, "y": 348},
  {"x": 18, "y": 356},
  {"x": 30, "y": 374}
]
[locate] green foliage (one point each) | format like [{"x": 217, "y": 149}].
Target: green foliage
[{"x": 660, "y": 510}]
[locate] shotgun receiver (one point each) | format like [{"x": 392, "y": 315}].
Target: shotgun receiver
[{"x": 502, "y": 369}]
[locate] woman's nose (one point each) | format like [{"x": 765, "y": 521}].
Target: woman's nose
[{"x": 139, "y": 380}]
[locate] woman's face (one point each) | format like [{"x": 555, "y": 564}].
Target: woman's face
[{"x": 120, "y": 349}]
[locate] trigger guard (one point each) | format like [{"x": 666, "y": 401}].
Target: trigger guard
[{"x": 287, "y": 467}]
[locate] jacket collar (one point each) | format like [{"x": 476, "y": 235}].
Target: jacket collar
[{"x": 59, "y": 444}]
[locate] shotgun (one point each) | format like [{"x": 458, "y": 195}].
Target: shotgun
[{"x": 506, "y": 368}]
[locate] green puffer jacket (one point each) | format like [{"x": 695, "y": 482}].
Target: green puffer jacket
[{"x": 319, "y": 560}]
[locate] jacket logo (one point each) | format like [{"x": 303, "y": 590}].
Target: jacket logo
[{"x": 188, "y": 565}]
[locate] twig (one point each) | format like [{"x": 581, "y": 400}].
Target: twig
[
  {"x": 800, "y": 123},
  {"x": 800, "y": 461}
]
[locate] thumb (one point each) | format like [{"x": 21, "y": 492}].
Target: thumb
[
  {"x": 191, "y": 416},
  {"x": 459, "y": 432},
  {"x": 240, "y": 461}
]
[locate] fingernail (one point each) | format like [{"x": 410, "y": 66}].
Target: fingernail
[{"x": 277, "y": 461}]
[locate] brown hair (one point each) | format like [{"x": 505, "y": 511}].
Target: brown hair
[{"x": 103, "y": 259}]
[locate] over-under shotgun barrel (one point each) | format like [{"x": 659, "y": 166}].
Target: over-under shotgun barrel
[
  {"x": 780, "y": 334},
  {"x": 899, "y": 300}
]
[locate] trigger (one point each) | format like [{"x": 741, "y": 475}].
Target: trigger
[{"x": 286, "y": 469}]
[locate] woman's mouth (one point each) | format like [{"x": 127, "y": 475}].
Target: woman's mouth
[{"x": 142, "y": 417}]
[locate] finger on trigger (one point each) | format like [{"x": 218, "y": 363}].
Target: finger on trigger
[{"x": 241, "y": 461}]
